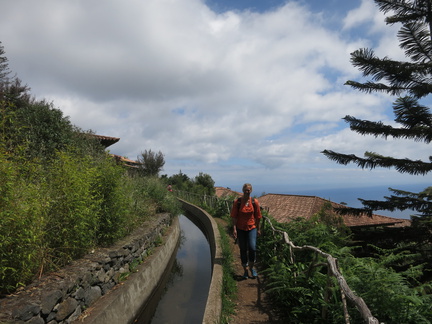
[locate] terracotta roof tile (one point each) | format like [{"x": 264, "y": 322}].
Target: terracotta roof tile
[
  {"x": 105, "y": 140},
  {"x": 125, "y": 161},
  {"x": 285, "y": 208},
  {"x": 222, "y": 192}
]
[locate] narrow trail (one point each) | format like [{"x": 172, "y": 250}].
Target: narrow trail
[{"x": 252, "y": 305}]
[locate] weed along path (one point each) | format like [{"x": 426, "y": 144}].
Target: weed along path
[{"x": 251, "y": 305}]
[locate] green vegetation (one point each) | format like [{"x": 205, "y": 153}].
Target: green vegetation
[
  {"x": 229, "y": 285},
  {"x": 302, "y": 291},
  {"x": 61, "y": 194},
  {"x": 151, "y": 163},
  {"x": 202, "y": 184}
]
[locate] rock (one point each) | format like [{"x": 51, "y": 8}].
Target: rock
[
  {"x": 80, "y": 293},
  {"x": 100, "y": 276},
  {"x": 92, "y": 294},
  {"x": 66, "y": 308},
  {"x": 26, "y": 312},
  {"x": 75, "y": 315},
  {"x": 109, "y": 275},
  {"x": 49, "y": 300},
  {"x": 36, "y": 320},
  {"x": 106, "y": 287},
  {"x": 50, "y": 318}
]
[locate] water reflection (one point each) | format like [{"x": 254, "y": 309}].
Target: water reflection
[{"x": 186, "y": 292}]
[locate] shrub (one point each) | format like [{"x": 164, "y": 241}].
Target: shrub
[
  {"x": 388, "y": 293},
  {"x": 111, "y": 189},
  {"x": 21, "y": 227},
  {"x": 74, "y": 207},
  {"x": 151, "y": 196}
]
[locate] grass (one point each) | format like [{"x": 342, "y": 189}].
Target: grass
[{"x": 229, "y": 285}]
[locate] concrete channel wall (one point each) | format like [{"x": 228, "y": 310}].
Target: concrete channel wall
[
  {"x": 123, "y": 304},
  {"x": 210, "y": 229}
]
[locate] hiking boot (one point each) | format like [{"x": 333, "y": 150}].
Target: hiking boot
[
  {"x": 254, "y": 273},
  {"x": 245, "y": 274}
]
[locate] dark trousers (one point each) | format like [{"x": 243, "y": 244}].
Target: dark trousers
[{"x": 247, "y": 245}]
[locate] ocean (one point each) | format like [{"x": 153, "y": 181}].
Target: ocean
[{"x": 350, "y": 195}]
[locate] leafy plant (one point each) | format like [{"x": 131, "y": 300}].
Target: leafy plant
[{"x": 302, "y": 292}]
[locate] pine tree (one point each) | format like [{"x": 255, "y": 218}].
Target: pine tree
[{"x": 409, "y": 81}]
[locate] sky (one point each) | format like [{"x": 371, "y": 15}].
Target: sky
[{"x": 246, "y": 91}]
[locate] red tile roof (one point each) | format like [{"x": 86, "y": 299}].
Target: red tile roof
[
  {"x": 125, "y": 161},
  {"x": 285, "y": 208},
  {"x": 222, "y": 192},
  {"x": 105, "y": 140}
]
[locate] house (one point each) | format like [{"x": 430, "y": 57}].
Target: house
[
  {"x": 107, "y": 141},
  {"x": 285, "y": 208},
  {"x": 126, "y": 162},
  {"x": 222, "y": 192}
]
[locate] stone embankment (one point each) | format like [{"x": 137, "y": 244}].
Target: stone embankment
[{"x": 61, "y": 297}]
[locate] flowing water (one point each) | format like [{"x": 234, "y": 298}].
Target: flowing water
[{"x": 185, "y": 293}]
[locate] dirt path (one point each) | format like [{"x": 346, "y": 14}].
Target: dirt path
[{"x": 252, "y": 306}]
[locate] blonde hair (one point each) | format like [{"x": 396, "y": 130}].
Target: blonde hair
[{"x": 247, "y": 185}]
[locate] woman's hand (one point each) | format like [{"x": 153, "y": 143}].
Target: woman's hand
[{"x": 234, "y": 232}]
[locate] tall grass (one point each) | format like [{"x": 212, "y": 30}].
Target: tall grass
[
  {"x": 229, "y": 285},
  {"x": 54, "y": 213},
  {"x": 22, "y": 221}
]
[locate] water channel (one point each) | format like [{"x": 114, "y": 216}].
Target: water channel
[{"x": 183, "y": 295}]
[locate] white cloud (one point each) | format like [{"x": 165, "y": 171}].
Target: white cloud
[
  {"x": 375, "y": 33},
  {"x": 239, "y": 95}
]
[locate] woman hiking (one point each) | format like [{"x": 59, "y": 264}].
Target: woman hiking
[{"x": 246, "y": 216}]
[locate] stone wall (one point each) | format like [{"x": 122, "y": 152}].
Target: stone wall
[{"x": 62, "y": 296}]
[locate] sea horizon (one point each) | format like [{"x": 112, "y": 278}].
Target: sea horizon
[{"x": 350, "y": 196}]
